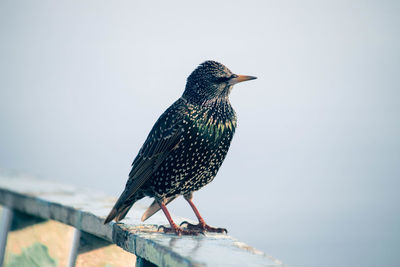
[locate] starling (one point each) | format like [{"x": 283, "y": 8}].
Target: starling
[{"x": 185, "y": 147}]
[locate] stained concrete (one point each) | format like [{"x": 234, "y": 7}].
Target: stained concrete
[{"x": 86, "y": 209}]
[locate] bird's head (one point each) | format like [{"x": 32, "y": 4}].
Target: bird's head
[{"x": 211, "y": 80}]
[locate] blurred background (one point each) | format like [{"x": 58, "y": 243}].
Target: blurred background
[{"x": 312, "y": 177}]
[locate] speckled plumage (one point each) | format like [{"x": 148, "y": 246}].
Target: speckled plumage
[
  {"x": 206, "y": 135},
  {"x": 187, "y": 144}
]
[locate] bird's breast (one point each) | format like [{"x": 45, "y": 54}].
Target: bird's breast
[{"x": 213, "y": 123}]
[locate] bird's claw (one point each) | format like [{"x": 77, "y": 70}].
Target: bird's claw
[
  {"x": 203, "y": 227},
  {"x": 183, "y": 223},
  {"x": 161, "y": 227},
  {"x": 178, "y": 231}
]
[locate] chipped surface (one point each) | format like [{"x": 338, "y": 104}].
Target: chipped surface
[{"x": 86, "y": 210}]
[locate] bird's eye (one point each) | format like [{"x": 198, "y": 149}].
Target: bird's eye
[{"x": 233, "y": 76}]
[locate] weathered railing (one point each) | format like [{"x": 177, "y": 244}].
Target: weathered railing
[{"x": 47, "y": 210}]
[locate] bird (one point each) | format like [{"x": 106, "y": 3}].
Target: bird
[{"x": 185, "y": 148}]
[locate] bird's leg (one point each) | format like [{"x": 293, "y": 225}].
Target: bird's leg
[
  {"x": 174, "y": 228},
  {"x": 202, "y": 224}
]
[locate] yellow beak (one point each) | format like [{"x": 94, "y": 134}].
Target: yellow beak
[{"x": 241, "y": 78}]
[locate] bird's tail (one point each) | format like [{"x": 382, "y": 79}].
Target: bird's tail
[
  {"x": 154, "y": 208},
  {"x": 121, "y": 208}
]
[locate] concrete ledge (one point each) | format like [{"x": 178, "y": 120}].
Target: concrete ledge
[{"x": 85, "y": 210}]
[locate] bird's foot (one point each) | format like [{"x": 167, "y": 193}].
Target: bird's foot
[
  {"x": 203, "y": 227},
  {"x": 178, "y": 230}
]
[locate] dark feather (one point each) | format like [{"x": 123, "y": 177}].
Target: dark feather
[{"x": 162, "y": 139}]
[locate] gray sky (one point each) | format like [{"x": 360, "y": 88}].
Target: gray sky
[{"x": 312, "y": 176}]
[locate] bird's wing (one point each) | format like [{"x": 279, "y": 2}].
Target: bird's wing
[
  {"x": 149, "y": 158},
  {"x": 164, "y": 137}
]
